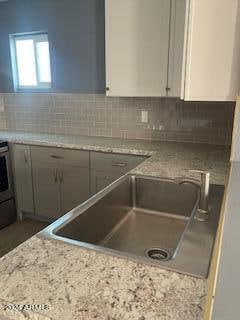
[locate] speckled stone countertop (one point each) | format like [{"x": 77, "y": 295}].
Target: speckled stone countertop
[
  {"x": 166, "y": 159},
  {"x": 80, "y": 284}
]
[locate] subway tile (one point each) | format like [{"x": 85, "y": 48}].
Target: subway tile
[{"x": 96, "y": 114}]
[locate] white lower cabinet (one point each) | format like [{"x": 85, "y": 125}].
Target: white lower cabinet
[
  {"x": 22, "y": 172},
  {"x": 58, "y": 189},
  {"x": 49, "y": 181},
  {"x": 101, "y": 179},
  {"x": 60, "y": 180},
  {"x": 46, "y": 190},
  {"x": 106, "y": 168},
  {"x": 74, "y": 186}
]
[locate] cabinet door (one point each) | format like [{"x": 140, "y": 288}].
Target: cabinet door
[
  {"x": 23, "y": 178},
  {"x": 46, "y": 190},
  {"x": 176, "y": 47},
  {"x": 137, "y": 43},
  {"x": 100, "y": 180},
  {"x": 74, "y": 185},
  {"x": 212, "y": 51}
]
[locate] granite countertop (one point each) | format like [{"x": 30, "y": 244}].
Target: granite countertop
[
  {"x": 80, "y": 284},
  {"x": 166, "y": 159}
]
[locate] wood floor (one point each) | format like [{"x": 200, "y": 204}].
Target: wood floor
[{"x": 18, "y": 232}]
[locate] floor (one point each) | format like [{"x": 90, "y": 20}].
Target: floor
[{"x": 18, "y": 232}]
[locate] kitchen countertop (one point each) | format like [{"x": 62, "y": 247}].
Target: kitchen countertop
[
  {"x": 166, "y": 159},
  {"x": 80, "y": 284}
]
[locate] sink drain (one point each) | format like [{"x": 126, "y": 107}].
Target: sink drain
[{"x": 158, "y": 254}]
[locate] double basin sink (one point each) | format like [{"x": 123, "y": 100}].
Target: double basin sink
[{"x": 146, "y": 219}]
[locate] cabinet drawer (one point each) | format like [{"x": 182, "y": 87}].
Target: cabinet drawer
[
  {"x": 60, "y": 156},
  {"x": 117, "y": 163}
]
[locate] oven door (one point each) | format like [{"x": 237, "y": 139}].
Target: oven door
[{"x": 6, "y": 187}]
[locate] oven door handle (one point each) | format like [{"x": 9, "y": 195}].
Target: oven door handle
[{"x": 3, "y": 149}]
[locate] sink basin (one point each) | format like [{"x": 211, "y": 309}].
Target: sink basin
[
  {"x": 147, "y": 219},
  {"x": 138, "y": 214}
]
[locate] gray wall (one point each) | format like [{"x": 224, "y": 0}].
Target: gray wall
[
  {"x": 76, "y": 35},
  {"x": 226, "y": 300}
]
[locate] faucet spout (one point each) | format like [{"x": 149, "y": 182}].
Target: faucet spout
[
  {"x": 203, "y": 184},
  {"x": 182, "y": 180}
]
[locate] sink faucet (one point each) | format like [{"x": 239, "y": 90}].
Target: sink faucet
[{"x": 203, "y": 184}]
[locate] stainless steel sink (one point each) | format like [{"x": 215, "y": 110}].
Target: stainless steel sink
[{"x": 147, "y": 219}]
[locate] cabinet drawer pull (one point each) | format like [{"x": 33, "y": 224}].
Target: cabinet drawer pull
[
  {"x": 55, "y": 156},
  {"x": 25, "y": 156},
  {"x": 55, "y": 175},
  {"x": 119, "y": 164},
  {"x": 61, "y": 176}
]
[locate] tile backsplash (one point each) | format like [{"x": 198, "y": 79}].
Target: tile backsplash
[{"x": 170, "y": 119}]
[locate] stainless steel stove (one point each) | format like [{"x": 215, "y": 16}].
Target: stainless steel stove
[{"x": 7, "y": 205}]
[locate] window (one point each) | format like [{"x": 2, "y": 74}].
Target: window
[{"x": 31, "y": 61}]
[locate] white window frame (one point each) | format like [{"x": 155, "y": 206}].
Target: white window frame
[{"x": 36, "y": 37}]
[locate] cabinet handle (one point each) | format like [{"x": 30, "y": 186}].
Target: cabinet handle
[
  {"x": 25, "y": 156},
  {"x": 54, "y": 156},
  {"x": 119, "y": 164},
  {"x": 61, "y": 176},
  {"x": 55, "y": 175}
]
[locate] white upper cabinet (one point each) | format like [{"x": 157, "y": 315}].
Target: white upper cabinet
[
  {"x": 212, "y": 58},
  {"x": 176, "y": 48},
  {"x": 137, "y": 47}
]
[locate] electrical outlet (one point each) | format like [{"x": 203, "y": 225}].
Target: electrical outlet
[{"x": 144, "y": 116}]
